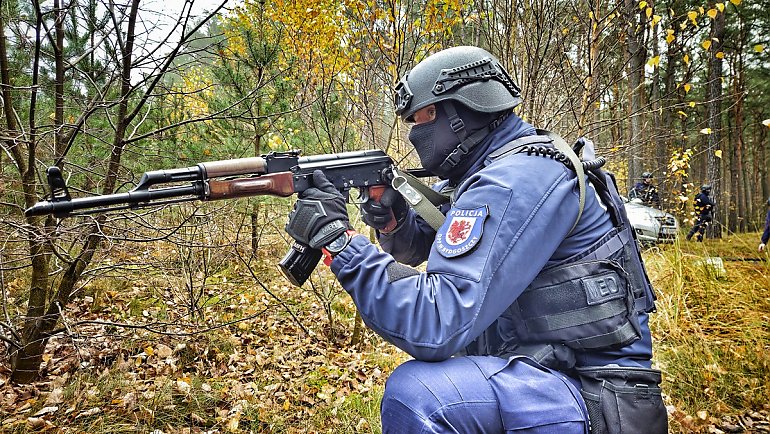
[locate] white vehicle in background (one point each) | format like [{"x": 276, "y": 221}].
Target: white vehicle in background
[{"x": 651, "y": 225}]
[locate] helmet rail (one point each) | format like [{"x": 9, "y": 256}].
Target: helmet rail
[{"x": 484, "y": 69}]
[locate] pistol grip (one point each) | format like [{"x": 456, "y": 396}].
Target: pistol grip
[{"x": 375, "y": 192}]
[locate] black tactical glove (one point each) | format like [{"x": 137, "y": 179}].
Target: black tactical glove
[
  {"x": 383, "y": 212},
  {"x": 319, "y": 215}
]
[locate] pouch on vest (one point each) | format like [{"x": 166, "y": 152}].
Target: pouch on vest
[
  {"x": 584, "y": 305},
  {"x": 623, "y": 400},
  {"x": 631, "y": 261}
]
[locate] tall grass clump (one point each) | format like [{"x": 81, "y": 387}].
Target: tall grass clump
[{"x": 711, "y": 328}]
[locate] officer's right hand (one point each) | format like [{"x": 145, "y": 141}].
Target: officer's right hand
[
  {"x": 319, "y": 214},
  {"x": 384, "y": 212},
  {"x": 761, "y": 247}
]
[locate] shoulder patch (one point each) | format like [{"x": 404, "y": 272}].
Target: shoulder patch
[{"x": 461, "y": 231}]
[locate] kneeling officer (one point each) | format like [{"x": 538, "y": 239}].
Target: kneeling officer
[{"x": 532, "y": 314}]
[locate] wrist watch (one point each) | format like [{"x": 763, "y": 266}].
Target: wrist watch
[{"x": 337, "y": 245}]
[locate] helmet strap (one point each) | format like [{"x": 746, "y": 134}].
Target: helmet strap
[{"x": 467, "y": 142}]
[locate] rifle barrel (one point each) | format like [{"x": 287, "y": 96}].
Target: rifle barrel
[
  {"x": 277, "y": 173},
  {"x": 66, "y": 208}
]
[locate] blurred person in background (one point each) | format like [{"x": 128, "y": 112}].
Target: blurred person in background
[
  {"x": 646, "y": 191},
  {"x": 766, "y": 234},
  {"x": 704, "y": 208}
]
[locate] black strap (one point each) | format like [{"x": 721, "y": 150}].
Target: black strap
[
  {"x": 570, "y": 158},
  {"x": 466, "y": 142},
  {"x": 518, "y": 145}
]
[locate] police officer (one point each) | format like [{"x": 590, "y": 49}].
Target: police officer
[
  {"x": 534, "y": 301},
  {"x": 766, "y": 233},
  {"x": 645, "y": 191},
  {"x": 704, "y": 208}
]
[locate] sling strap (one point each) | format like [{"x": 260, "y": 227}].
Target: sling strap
[
  {"x": 565, "y": 155},
  {"x": 577, "y": 166},
  {"x": 425, "y": 201}
]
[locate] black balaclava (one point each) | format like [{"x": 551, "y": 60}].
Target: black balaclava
[{"x": 435, "y": 140}]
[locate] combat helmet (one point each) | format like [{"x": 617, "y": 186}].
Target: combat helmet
[
  {"x": 469, "y": 75},
  {"x": 473, "y": 95}
]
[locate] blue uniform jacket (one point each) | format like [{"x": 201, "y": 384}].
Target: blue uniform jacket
[
  {"x": 703, "y": 204},
  {"x": 766, "y": 233},
  {"x": 646, "y": 192},
  {"x": 532, "y": 203}
]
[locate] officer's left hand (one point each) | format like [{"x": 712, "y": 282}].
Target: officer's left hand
[
  {"x": 319, "y": 215},
  {"x": 761, "y": 247}
]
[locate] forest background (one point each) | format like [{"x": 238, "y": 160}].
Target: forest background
[{"x": 176, "y": 318}]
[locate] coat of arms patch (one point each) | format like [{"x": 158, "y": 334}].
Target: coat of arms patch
[{"x": 461, "y": 231}]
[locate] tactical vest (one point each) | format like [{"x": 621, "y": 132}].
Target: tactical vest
[{"x": 590, "y": 301}]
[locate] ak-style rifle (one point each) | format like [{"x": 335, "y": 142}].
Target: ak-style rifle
[{"x": 275, "y": 174}]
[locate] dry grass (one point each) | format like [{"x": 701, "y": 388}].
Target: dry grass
[{"x": 712, "y": 329}]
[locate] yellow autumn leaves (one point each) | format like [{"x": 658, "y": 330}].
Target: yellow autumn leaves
[
  {"x": 692, "y": 17},
  {"x": 711, "y": 13},
  {"x": 654, "y": 19}
]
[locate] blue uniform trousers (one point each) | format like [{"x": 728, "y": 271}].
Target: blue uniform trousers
[
  {"x": 700, "y": 226},
  {"x": 481, "y": 394}
]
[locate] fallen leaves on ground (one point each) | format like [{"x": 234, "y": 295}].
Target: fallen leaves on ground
[{"x": 258, "y": 375}]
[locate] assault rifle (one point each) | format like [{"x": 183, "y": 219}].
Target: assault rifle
[{"x": 275, "y": 174}]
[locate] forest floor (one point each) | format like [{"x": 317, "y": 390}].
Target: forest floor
[{"x": 257, "y": 355}]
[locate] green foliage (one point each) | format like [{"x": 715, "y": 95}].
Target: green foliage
[{"x": 357, "y": 413}]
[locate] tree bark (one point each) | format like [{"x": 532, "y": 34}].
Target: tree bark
[
  {"x": 658, "y": 136},
  {"x": 25, "y": 361},
  {"x": 738, "y": 146},
  {"x": 41, "y": 321},
  {"x": 714, "y": 107},
  {"x": 744, "y": 201},
  {"x": 635, "y": 59}
]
